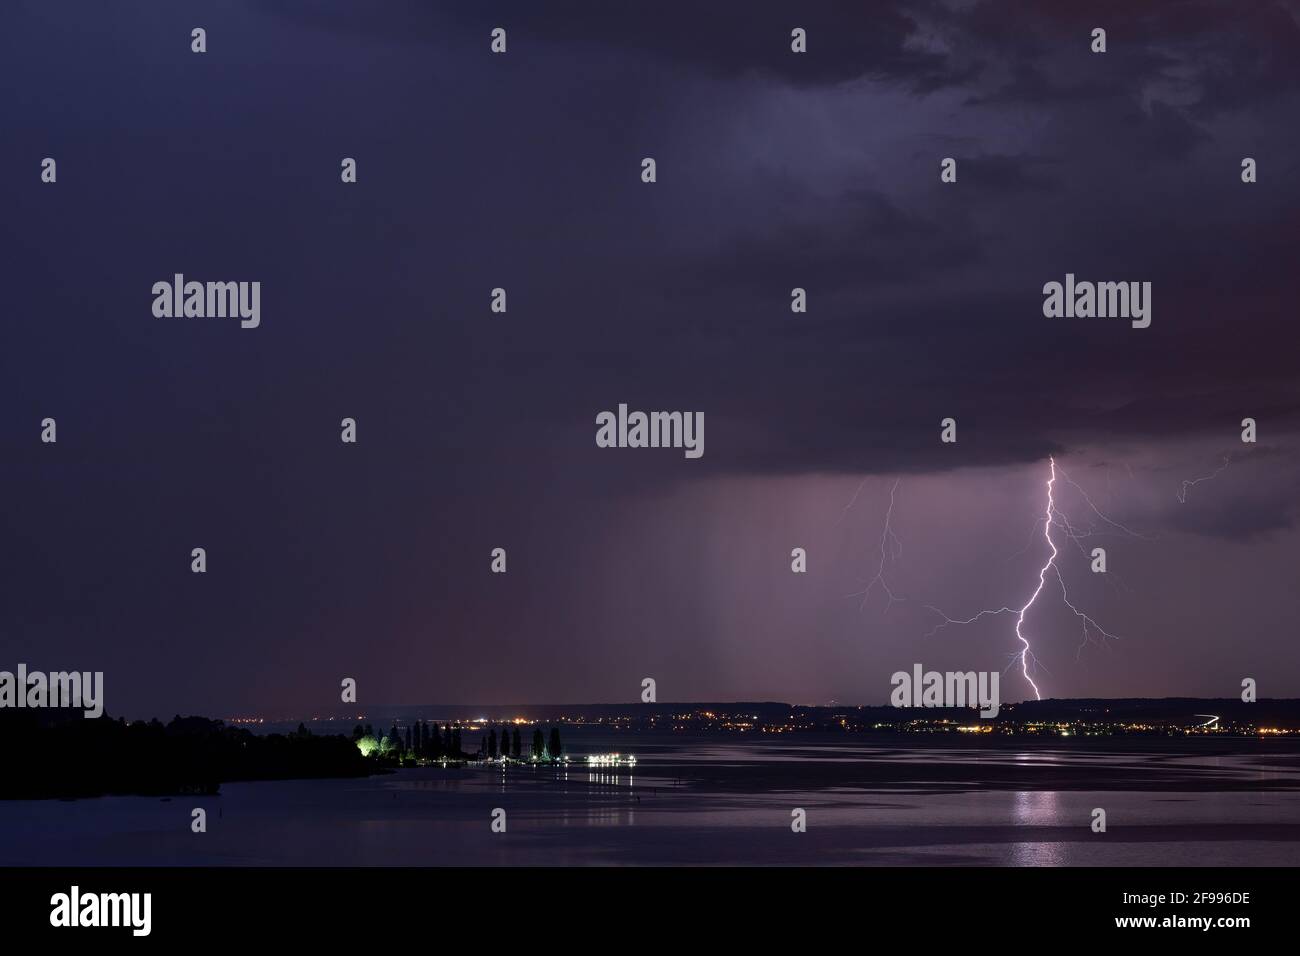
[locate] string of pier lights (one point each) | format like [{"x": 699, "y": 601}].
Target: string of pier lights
[{"x": 610, "y": 760}]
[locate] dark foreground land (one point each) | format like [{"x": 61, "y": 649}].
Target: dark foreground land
[{"x": 52, "y": 754}]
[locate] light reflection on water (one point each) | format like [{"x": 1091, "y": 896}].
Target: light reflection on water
[{"x": 1037, "y": 808}]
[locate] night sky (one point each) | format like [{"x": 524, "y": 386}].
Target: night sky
[{"x": 476, "y": 430}]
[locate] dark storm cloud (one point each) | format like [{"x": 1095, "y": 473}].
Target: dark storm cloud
[
  {"x": 1009, "y": 175},
  {"x": 722, "y": 39},
  {"x": 1228, "y": 56},
  {"x": 838, "y": 244},
  {"x": 926, "y": 299}
]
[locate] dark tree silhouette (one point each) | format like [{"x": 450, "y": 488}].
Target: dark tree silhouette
[
  {"x": 64, "y": 755},
  {"x": 553, "y": 749},
  {"x": 492, "y": 744},
  {"x": 514, "y": 744},
  {"x": 539, "y": 744}
]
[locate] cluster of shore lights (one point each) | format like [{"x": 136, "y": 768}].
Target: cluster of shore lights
[{"x": 611, "y": 760}]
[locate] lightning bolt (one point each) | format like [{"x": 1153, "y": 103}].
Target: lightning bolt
[
  {"x": 1188, "y": 483},
  {"x": 891, "y": 549},
  {"x": 852, "y": 501},
  {"x": 1052, "y": 517},
  {"x": 1042, "y": 581},
  {"x": 895, "y": 546}
]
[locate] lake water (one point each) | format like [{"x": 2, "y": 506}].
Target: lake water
[{"x": 722, "y": 801}]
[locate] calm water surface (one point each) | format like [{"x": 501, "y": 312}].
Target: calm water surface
[{"x": 716, "y": 802}]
